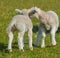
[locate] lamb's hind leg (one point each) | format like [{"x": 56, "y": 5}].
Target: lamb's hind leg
[
  {"x": 20, "y": 40},
  {"x": 10, "y": 35},
  {"x": 30, "y": 39},
  {"x": 53, "y": 31}
]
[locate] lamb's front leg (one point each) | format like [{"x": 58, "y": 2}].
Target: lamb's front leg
[
  {"x": 38, "y": 35},
  {"x": 30, "y": 39},
  {"x": 43, "y": 38},
  {"x": 20, "y": 40},
  {"x": 10, "y": 35}
]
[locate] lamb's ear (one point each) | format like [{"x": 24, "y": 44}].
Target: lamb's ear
[
  {"x": 18, "y": 11},
  {"x": 32, "y": 12}
]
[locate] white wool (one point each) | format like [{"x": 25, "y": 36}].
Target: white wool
[
  {"x": 48, "y": 21},
  {"x": 22, "y": 23}
]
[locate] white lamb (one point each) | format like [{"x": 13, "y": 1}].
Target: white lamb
[
  {"x": 48, "y": 21},
  {"x": 22, "y": 23}
]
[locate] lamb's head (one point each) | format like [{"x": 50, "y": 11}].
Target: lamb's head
[
  {"x": 25, "y": 11},
  {"x": 28, "y": 12},
  {"x": 34, "y": 11},
  {"x": 22, "y": 12}
]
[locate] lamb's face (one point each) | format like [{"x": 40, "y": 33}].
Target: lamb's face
[
  {"x": 34, "y": 11},
  {"x": 38, "y": 10}
]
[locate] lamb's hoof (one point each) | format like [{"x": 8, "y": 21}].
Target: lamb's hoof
[
  {"x": 31, "y": 48},
  {"x": 22, "y": 50},
  {"x": 42, "y": 46},
  {"x": 9, "y": 50},
  {"x": 54, "y": 44}
]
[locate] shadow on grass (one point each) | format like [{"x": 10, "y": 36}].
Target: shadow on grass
[
  {"x": 35, "y": 29},
  {"x": 48, "y": 46},
  {"x": 2, "y": 47}
]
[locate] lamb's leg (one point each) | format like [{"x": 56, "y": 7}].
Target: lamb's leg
[
  {"x": 39, "y": 35},
  {"x": 10, "y": 35},
  {"x": 43, "y": 39},
  {"x": 20, "y": 40},
  {"x": 30, "y": 39},
  {"x": 53, "y": 31}
]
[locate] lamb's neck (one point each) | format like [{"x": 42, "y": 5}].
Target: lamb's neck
[
  {"x": 43, "y": 14},
  {"x": 43, "y": 17}
]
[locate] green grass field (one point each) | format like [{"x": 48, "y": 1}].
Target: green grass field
[{"x": 7, "y": 11}]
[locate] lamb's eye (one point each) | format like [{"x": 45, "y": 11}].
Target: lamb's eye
[{"x": 32, "y": 12}]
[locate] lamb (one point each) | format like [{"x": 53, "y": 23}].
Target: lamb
[
  {"x": 22, "y": 23},
  {"x": 48, "y": 21}
]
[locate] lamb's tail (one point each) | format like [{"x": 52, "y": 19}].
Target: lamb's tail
[
  {"x": 9, "y": 28},
  {"x": 18, "y": 11}
]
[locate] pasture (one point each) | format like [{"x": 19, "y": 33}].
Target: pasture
[{"x": 7, "y": 11}]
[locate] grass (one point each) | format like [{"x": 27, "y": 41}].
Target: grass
[{"x": 7, "y": 11}]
